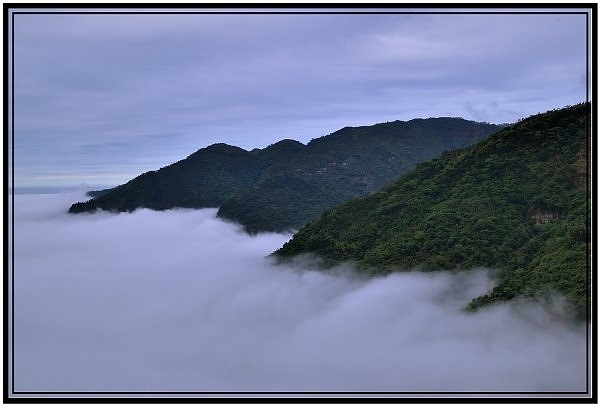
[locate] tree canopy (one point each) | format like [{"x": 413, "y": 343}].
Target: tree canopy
[{"x": 518, "y": 202}]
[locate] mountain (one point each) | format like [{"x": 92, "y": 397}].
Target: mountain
[
  {"x": 206, "y": 178},
  {"x": 286, "y": 185},
  {"x": 517, "y": 202}
]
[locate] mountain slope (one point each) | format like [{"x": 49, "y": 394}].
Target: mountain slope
[
  {"x": 207, "y": 178},
  {"x": 516, "y": 201},
  {"x": 348, "y": 163},
  {"x": 288, "y": 184}
]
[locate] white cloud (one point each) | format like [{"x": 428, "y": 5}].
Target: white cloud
[{"x": 178, "y": 300}]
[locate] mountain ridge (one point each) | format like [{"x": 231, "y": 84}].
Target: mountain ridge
[
  {"x": 262, "y": 189},
  {"x": 517, "y": 201}
]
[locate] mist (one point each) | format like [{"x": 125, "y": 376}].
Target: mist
[{"x": 182, "y": 301}]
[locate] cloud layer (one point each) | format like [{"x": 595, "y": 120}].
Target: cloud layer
[{"x": 181, "y": 301}]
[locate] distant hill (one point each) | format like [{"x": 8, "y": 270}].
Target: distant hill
[
  {"x": 288, "y": 184},
  {"x": 518, "y": 201},
  {"x": 206, "y": 178}
]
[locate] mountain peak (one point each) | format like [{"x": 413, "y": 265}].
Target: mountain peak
[{"x": 287, "y": 184}]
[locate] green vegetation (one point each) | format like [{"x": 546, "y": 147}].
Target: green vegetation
[
  {"x": 206, "y": 178},
  {"x": 517, "y": 202},
  {"x": 288, "y": 184}
]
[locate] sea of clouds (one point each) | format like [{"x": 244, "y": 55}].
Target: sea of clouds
[{"x": 182, "y": 301}]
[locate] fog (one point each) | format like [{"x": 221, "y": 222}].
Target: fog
[{"x": 182, "y": 301}]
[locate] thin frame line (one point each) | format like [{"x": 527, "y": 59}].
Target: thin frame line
[
  {"x": 13, "y": 200},
  {"x": 262, "y": 13}
]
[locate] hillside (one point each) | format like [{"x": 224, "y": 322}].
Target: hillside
[
  {"x": 286, "y": 185},
  {"x": 517, "y": 202},
  {"x": 207, "y": 178}
]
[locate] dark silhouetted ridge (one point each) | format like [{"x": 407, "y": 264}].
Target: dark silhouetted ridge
[{"x": 288, "y": 184}]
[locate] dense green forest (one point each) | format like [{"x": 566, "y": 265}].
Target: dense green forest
[
  {"x": 287, "y": 184},
  {"x": 517, "y": 202}
]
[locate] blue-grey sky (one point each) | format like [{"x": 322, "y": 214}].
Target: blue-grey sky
[{"x": 101, "y": 98}]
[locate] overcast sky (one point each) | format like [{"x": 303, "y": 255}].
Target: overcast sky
[{"x": 101, "y": 98}]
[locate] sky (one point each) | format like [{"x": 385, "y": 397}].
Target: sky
[
  {"x": 98, "y": 307},
  {"x": 102, "y": 98}
]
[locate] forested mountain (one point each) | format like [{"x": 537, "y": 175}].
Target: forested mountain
[
  {"x": 518, "y": 202},
  {"x": 206, "y": 178},
  {"x": 288, "y": 184}
]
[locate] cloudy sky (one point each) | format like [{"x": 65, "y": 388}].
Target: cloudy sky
[{"x": 101, "y": 98}]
